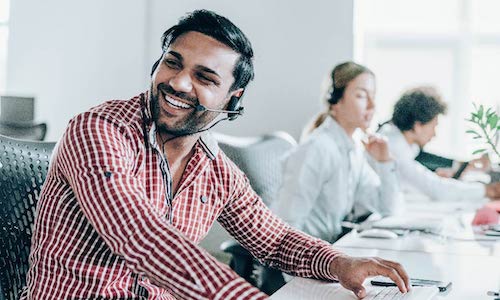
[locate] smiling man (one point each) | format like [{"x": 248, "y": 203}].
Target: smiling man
[{"x": 135, "y": 185}]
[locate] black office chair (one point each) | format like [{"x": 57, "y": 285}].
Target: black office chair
[
  {"x": 259, "y": 158},
  {"x": 23, "y": 168},
  {"x": 32, "y": 132}
]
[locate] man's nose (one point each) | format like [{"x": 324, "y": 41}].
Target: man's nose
[{"x": 181, "y": 82}]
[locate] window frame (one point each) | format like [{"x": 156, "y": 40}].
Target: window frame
[{"x": 460, "y": 43}]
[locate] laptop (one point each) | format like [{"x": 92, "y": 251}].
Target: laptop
[{"x": 301, "y": 288}]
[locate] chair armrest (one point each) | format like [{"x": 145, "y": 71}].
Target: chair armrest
[
  {"x": 242, "y": 262},
  {"x": 234, "y": 248}
]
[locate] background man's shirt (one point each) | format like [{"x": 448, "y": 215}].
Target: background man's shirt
[{"x": 414, "y": 176}]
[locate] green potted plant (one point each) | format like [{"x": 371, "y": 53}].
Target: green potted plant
[{"x": 486, "y": 129}]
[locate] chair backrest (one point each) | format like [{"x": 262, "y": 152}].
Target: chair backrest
[
  {"x": 259, "y": 158},
  {"x": 33, "y": 132},
  {"x": 23, "y": 168}
]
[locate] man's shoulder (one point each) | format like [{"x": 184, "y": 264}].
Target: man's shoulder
[
  {"x": 118, "y": 112},
  {"x": 122, "y": 117},
  {"x": 222, "y": 161},
  {"x": 394, "y": 136},
  {"x": 121, "y": 110},
  {"x": 225, "y": 169}
]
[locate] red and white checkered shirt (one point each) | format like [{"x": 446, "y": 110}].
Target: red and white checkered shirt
[{"x": 107, "y": 227}]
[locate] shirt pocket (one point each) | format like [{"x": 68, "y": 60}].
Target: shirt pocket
[{"x": 197, "y": 208}]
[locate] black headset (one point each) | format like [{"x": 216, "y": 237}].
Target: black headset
[
  {"x": 234, "y": 107},
  {"x": 335, "y": 93},
  {"x": 155, "y": 65}
]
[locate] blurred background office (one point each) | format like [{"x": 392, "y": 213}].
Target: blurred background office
[{"x": 74, "y": 55}]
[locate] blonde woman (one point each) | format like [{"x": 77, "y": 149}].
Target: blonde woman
[{"x": 330, "y": 177}]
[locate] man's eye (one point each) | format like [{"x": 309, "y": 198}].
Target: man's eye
[
  {"x": 206, "y": 80},
  {"x": 172, "y": 63}
]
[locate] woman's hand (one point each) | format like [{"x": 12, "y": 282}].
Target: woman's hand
[{"x": 377, "y": 147}]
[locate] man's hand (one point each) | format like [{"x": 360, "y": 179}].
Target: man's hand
[
  {"x": 482, "y": 164},
  {"x": 352, "y": 271},
  {"x": 445, "y": 172},
  {"x": 377, "y": 147},
  {"x": 493, "y": 191}
]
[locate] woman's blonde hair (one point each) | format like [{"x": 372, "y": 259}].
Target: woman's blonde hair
[{"x": 333, "y": 89}]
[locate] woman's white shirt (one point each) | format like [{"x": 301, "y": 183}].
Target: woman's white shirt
[{"x": 328, "y": 178}]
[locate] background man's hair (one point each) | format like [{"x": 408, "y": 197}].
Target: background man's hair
[
  {"x": 421, "y": 104},
  {"x": 224, "y": 31}
]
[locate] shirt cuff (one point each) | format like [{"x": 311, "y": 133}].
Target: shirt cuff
[
  {"x": 386, "y": 167},
  {"x": 322, "y": 261}
]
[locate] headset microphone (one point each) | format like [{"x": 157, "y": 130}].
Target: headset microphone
[
  {"x": 234, "y": 108},
  {"x": 200, "y": 107}
]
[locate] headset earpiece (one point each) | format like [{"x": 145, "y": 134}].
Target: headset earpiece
[
  {"x": 234, "y": 105},
  {"x": 330, "y": 95},
  {"x": 155, "y": 65},
  {"x": 335, "y": 94}
]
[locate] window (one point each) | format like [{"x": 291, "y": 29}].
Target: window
[
  {"x": 4, "y": 32},
  {"x": 453, "y": 45}
]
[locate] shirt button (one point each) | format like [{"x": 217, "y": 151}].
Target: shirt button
[{"x": 203, "y": 199}]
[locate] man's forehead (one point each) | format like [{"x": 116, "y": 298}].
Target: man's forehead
[{"x": 200, "y": 49}]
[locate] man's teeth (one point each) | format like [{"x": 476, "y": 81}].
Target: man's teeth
[{"x": 176, "y": 103}]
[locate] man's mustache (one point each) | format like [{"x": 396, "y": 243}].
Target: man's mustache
[{"x": 168, "y": 89}]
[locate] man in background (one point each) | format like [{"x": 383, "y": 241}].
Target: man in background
[{"x": 412, "y": 126}]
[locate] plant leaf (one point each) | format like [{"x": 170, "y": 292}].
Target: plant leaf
[
  {"x": 478, "y": 151},
  {"x": 480, "y": 112},
  {"x": 493, "y": 121},
  {"x": 472, "y": 131}
]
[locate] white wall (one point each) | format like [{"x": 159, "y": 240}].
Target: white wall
[{"x": 73, "y": 55}]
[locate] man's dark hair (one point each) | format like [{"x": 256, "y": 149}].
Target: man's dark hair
[
  {"x": 224, "y": 31},
  {"x": 420, "y": 104}
]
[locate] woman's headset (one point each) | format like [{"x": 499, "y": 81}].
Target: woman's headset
[{"x": 335, "y": 93}]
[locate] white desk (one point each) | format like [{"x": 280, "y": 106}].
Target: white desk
[
  {"x": 472, "y": 266},
  {"x": 471, "y": 277},
  {"x": 420, "y": 242}
]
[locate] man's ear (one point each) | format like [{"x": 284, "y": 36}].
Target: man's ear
[
  {"x": 417, "y": 127},
  {"x": 238, "y": 93}
]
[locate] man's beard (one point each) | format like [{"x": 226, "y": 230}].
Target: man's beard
[{"x": 192, "y": 123}]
